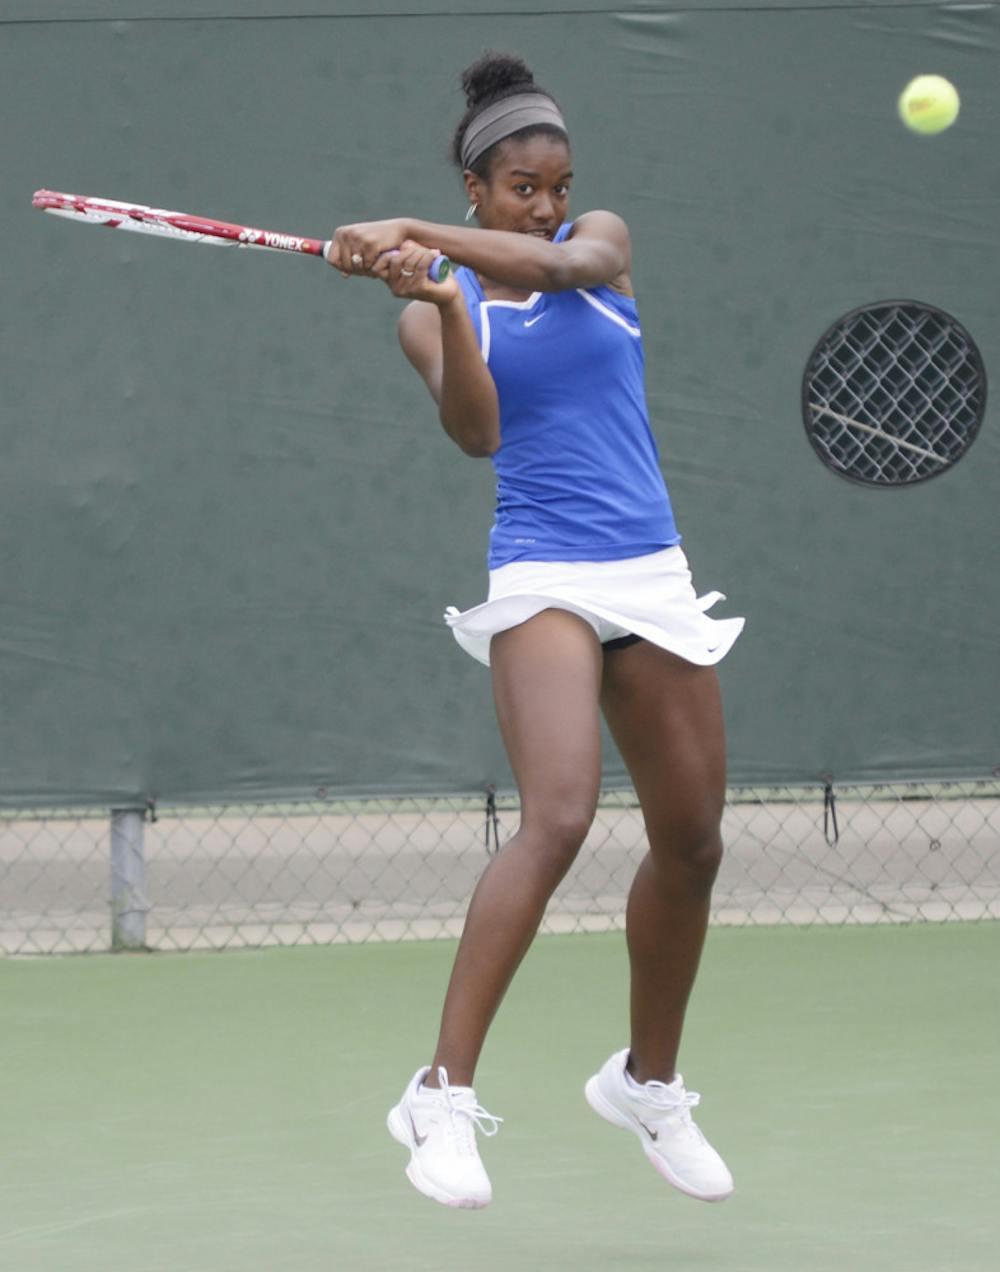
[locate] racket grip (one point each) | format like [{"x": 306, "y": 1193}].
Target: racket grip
[{"x": 439, "y": 269}]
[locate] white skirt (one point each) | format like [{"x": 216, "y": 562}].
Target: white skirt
[{"x": 649, "y": 596}]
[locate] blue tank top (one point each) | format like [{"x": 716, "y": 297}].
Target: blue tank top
[{"x": 578, "y": 473}]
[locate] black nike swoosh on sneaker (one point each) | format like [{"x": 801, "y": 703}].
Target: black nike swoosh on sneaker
[
  {"x": 418, "y": 1139},
  {"x": 653, "y": 1135}
]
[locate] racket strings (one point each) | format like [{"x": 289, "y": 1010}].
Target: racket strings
[{"x": 125, "y": 220}]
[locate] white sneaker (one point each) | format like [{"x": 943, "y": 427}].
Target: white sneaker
[
  {"x": 660, "y": 1114},
  {"x": 439, "y": 1129}
]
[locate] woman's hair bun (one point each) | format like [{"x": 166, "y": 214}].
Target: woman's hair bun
[
  {"x": 492, "y": 75},
  {"x": 492, "y": 78}
]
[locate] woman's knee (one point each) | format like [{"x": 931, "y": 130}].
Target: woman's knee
[
  {"x": 557, "y": 831},
  {"x": 694, "y": 847}
]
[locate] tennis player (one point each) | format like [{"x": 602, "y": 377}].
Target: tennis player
[{"x": 532, "y": 350}]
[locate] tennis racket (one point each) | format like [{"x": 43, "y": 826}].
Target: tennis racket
[{"x": 184, "y": 228}]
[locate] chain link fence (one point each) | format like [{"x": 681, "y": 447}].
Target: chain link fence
[
  {"x": 894, "y": 393},
  {"x": 381, "y": 869}
]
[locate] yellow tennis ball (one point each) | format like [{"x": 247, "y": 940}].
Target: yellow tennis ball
[{"x": 929, "y": 104}]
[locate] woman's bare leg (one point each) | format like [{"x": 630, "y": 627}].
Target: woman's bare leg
[
  {"x": 546, "y": 684},
  {"x": 666, "y": 717}
]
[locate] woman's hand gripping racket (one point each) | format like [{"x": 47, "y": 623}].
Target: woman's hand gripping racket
[{"x": 184, "y": 228}]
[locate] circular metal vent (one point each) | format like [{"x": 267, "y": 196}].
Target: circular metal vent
[{"x": 893, "y": 394}]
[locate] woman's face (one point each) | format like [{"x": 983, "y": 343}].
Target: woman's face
[{"x": 528, "y": 187}]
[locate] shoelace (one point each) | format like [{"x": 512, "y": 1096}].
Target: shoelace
[
  {"x": 466, "y": 1106},
  {"x": 665, "y": 1098}
]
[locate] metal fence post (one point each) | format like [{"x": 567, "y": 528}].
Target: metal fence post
[{"x": 128, "y": 879}]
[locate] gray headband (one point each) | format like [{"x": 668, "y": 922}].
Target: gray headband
[{"x": 505, "y": 117}]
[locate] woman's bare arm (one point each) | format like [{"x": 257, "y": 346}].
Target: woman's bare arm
[
  {"x": 597, "y": 252},
  {"x": 440, "y": 341}
]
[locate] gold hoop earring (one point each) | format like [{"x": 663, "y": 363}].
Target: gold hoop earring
[{"x": 472, "y": 211}]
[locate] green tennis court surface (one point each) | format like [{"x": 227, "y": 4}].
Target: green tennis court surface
[{"x": 208, "y": 1113}]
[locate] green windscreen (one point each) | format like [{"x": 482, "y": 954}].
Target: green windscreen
[{"x": 229, "y": 519}]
